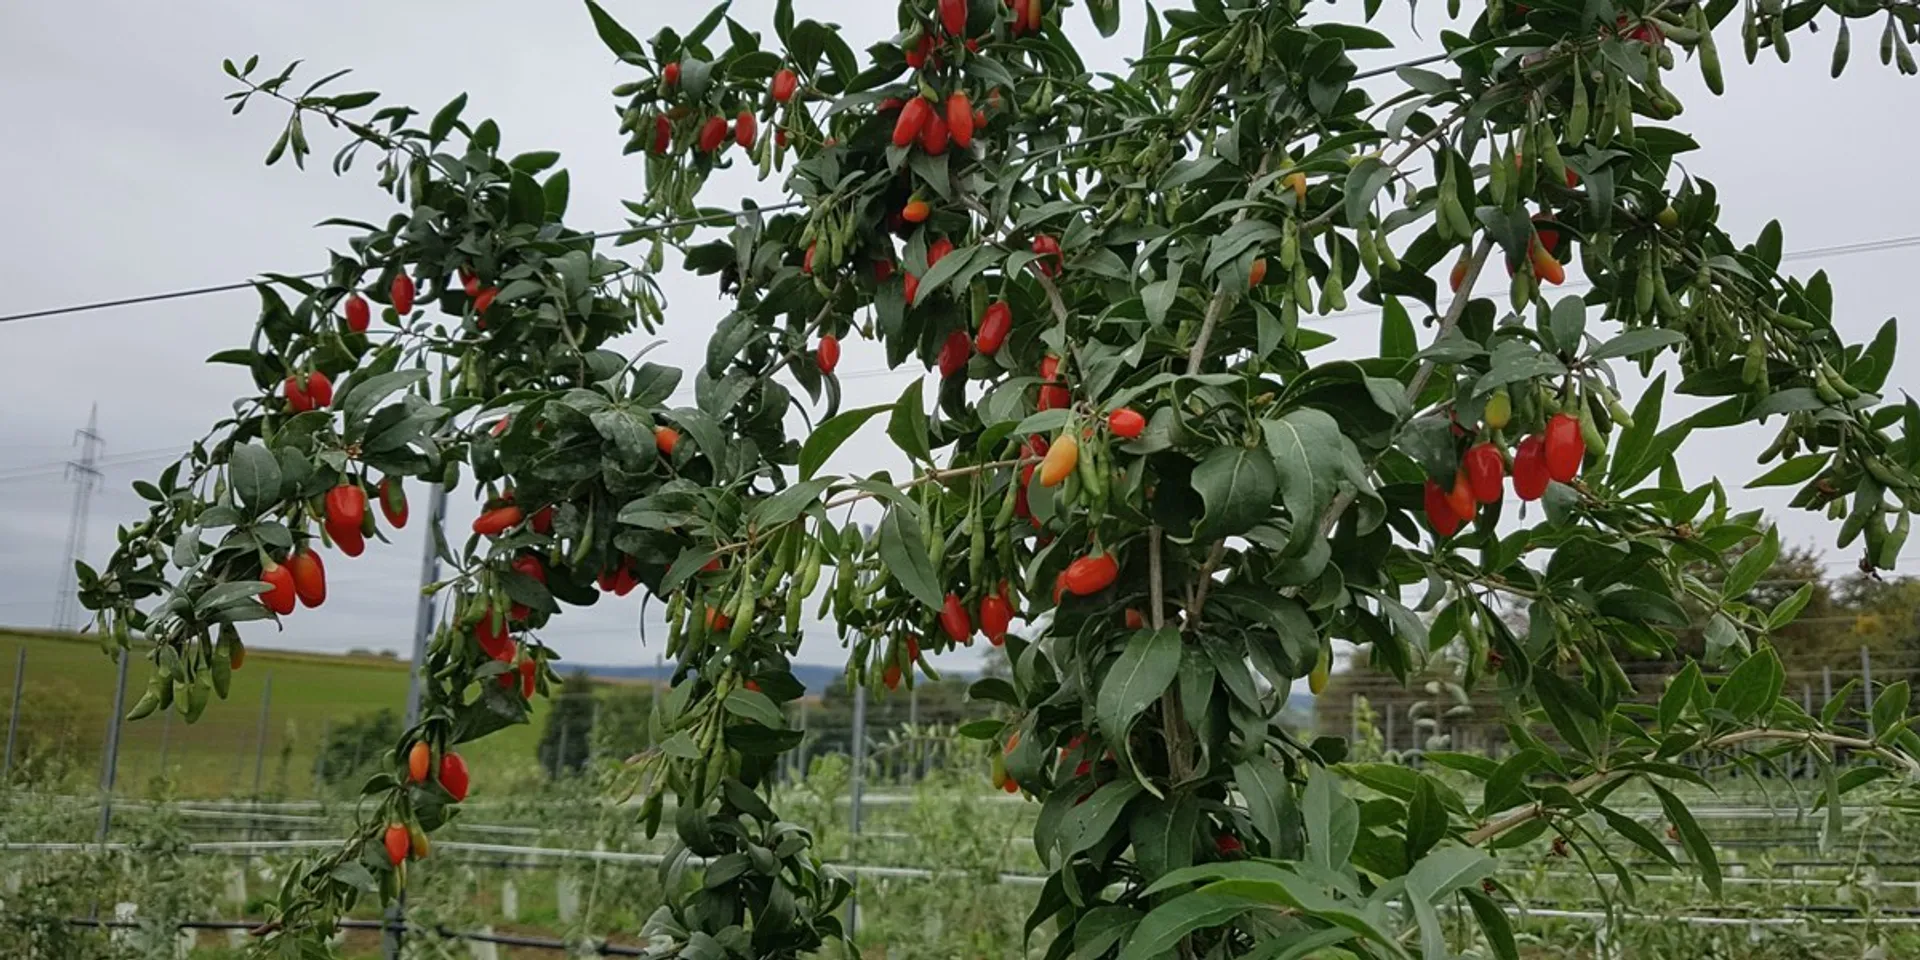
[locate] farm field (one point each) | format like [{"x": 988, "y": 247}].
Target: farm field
[
  {"x": 944, "y": 869},
  {"x": 69, "y": 692}
]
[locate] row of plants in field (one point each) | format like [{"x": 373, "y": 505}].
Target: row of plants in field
[{"x": 950, "y": 826}]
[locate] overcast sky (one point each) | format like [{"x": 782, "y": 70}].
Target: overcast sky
[{"x": 126, "y": 175}]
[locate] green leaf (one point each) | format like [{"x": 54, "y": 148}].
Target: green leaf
[
  {"x": 1749, "y": 691},
  {"x": 361, "y": 396},
  {"x": 950, "y": 266},
  {"x": 827, "y": 438},
  {"x": 1311, "y": 456},
  {"x": 908, "y": 426},
  {"x": 1508, "y": 781},
  {"x": 1786, "y": 611},
  {"x": 1631, "y": 829},
  {"x": 1574, "y": 713},
  {"x": 442, "y": 123},
  {"x": 1397, "y": 338},
  {"x": 1086, "y": 823},
  {"x": 1156, "y": 297},
  {"x": 1102, "y": 929},
  {"x": 904, "y": 552},
  {"x": 1161, "y": 932},
  {"x": 254, "y": 473},
  {"x": 1494, "y": 923},
  {"x": 1165, "y": 833},
  {"x": 1300, "y": 946},
  {"x": 1679, "y": 693},
  {"x": 1636, "y": 604},
  {"x": 1332, "y": 821},
  {"x": 708, "y": 440},
  {"x": 1568, "y": 322},
  {"x": 1790, "y": 400},
  {"x": 1364, "y": 183},
  {"x": 756, "y": 707},
  {"x": 994, "y": 689},
  {"x": 1890, "y": 707},
  {"x": 223, "y": 594},
  {"x": 1228, "y": 246},
  {"x": 356, "y": 875},
  {"x": 1800, "y": 469},
  {"x": 1269, "y": 799},
  {"x": 1237, "y": 487},
  {"x": 1144, "y": 670},
  {"x": 1691, "y": 836},
  {"x": 1446, "y": 870},
  {"x": 982, "y": 729},
  {"x": 1636, "y": 342},
  {"x": 1106, "y": 16},
  {"x": 553, "y": 195},
  {"x": 1426, "y": 819},
  {"x": 1752, "y": 565},
  {"x": 616, "y": 36},
  {"x": 526, "y": 202},
  {"x": 788, "y": 503}
]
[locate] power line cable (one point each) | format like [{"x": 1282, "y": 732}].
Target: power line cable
[{"x": 249, "y": 284}]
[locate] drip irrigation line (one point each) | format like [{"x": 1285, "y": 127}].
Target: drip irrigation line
[{"x": 601, "y": 947}]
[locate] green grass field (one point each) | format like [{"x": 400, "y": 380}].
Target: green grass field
[{"x": 69, "y": 693}]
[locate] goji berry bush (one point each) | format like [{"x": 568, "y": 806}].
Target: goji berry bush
[{"x": 1136, "y": 475}]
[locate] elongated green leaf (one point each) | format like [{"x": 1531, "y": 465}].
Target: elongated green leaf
[
  {"x": 1890, "y": 707},
  {"x": 788, "y": 503},
  {"x": 1269, "y": 799},
  {"x": 1751, "y": 688},
  {"x": 1237, "y": 486},
  {"x": 1309, "y": 452},
  {"x": 1636, "y": 342},
  {"x": 1448, "y": 869},
  {"x": 908, "y": 425},
  {"x": 1158, "y": 298},
  {"x": 1570, "y": 708},
  {"x": 615, "y": 36},
  {"x": 1158, "y": 935},
  {"x": 254, "y": 473},
  {"x": 1631, "y": 829},
  {"x": 1102, "y": 929},
  {"x": 1788, "y": 610},
  {"x": 1752, "y": 565},
  {"x": 1494, "y": 923},
  {"x": 1332, "y": 821},
  {"x": 1798, "y": 470},
  {"x": 1299, "y": 946},
  {"x": 1680, "y": 692},
  {"x": 1695, "y": 839},
  {"x": 827, "y": 438},
  {"x": 1165, "y": 833},
  {"x": 1426, "y": 820},
  {"x": 1504, "y": 787},
  {"x": 360, "y": 397},
  {"x": 1145, "y": 669},
  {"x": 755, "y": 706},
  {"x": 1087, "y": 822},
  {"x": 905, "y": 554}
]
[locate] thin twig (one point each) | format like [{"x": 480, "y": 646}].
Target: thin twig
[
  {"x": 1156, "y": 589},
  {"x": 1455, "y": 311},
  {"x": 934, "y": 476},
  {"x": 1217, "y": 307},
  {"x": 1205, "y": 581},
  {"x": 1534, "y": 811}
]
